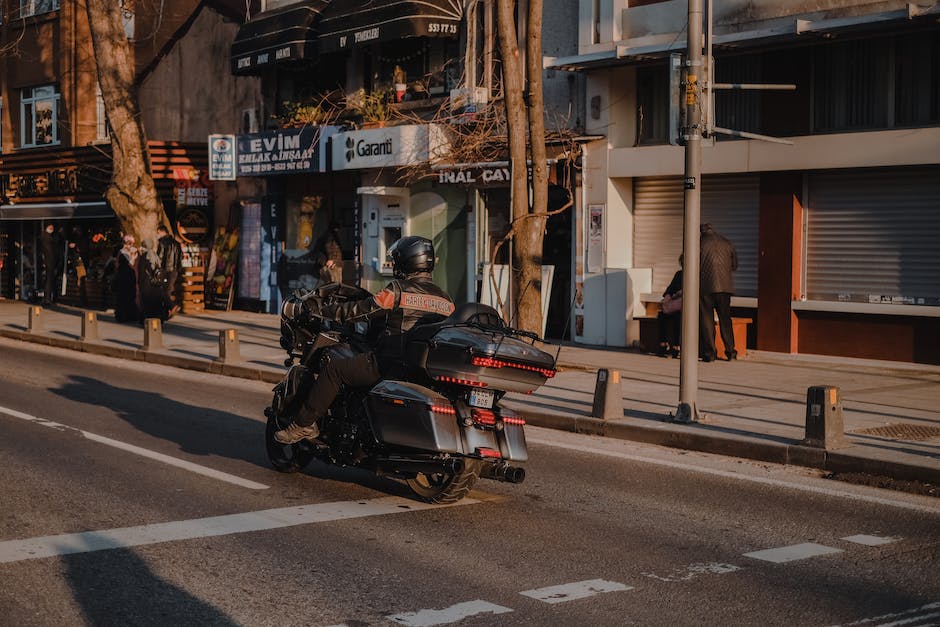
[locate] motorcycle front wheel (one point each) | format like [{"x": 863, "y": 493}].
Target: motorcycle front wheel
[
  {"x": 445, "y": 486},
  {"x": 285, "y": 457}
]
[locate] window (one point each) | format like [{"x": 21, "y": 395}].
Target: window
[
  {"x": 103, "y": 127},
  {"x": 652, "y": 86},
  {"x": 852, "y": 85},
  {"x": 35, "y": 7},
  {"x": 39, "y": 113}
]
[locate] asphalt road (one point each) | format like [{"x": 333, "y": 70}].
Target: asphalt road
[{"x": 139, "y": 494}]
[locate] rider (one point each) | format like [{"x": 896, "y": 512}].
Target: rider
[{"x": 410, "y": 298}]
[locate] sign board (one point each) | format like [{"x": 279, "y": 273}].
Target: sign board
[
  {"x": 381, "y": 147},
  {"x": 487, "y": 176},
  {"x": 283, "y": 151},
  {"x": 221, "y": 157}
]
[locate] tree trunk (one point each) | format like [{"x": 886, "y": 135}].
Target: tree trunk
[
  {"x": 527, "y": 247},
  {"x": 132, "y": 193}
]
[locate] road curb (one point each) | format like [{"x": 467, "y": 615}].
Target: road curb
[{"x": 691, "y": 437}]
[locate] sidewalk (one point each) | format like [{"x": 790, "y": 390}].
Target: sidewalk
[{"x": 753, "y": 408}]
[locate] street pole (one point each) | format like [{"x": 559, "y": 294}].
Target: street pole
[{"x": 687, "y": 410}]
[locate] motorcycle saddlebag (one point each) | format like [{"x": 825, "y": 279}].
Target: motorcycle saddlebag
[{"x": 403, "y": 414}]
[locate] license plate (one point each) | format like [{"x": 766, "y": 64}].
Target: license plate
[{"x": 482, "y": 398}]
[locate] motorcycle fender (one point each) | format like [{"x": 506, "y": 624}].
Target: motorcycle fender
[{"x": 400, "y": 415}]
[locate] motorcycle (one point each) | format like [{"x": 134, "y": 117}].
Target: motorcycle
[{"x": 438, "y": 428}]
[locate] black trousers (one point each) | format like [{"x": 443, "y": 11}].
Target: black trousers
[
  {"x": 341, "y": 368},
  {"x": 719, "y": 302}
]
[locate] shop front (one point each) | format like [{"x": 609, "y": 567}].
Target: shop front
[{"x": 399, "y": 196}]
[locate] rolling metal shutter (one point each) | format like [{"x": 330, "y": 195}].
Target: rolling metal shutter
[
  {"x": 874, "y": 236},
  {"x": 729, "y": 202}
]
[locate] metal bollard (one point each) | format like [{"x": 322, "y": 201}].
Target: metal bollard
[
  {"x": 89, "y": 326},
  {"x": 608, "y": 398},
  {"x": 153, "y": 334},
  {"x": 824, "y": 426},
  {"x": 34, "y": 324},
  {"x": 229, "y": 351}
]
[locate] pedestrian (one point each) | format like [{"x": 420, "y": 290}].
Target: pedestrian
[
  {"x": 329, "y": 253},
  {"x": 150, "y": 286},
  {"x": 124, "y": 288},
  {"x": 52, "y": 261},
  {"x": 77, "y": 269},
  {"x": 171, "y": 262},
  {"x": 669, "y": 319},
  {"x": 719, "y": 259}
]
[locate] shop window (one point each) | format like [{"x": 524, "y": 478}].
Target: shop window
[
  {"x": 39, "y": 113},
  {"x": 652, "y": 121},
  {"x": 852, "y": 85},
  {"x": 35, "y": 7}
]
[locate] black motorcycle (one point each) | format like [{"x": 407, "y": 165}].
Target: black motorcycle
[{"x": 439, "y": 427}]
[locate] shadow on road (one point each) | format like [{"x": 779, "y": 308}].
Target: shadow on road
[{"x": 118, "y": 588}]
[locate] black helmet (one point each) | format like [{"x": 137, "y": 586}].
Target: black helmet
[{"x": 412, "y": 254}]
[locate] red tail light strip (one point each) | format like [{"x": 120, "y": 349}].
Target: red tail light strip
[
  {"x": 490, "y": 362},
  {"x": 443, "y": 409},
  {"x": 514, "y": 420},
  {"x": 484, "y": 417},
  {"x": 477, "y": 384},
  {"x": 488, "y": 452}
]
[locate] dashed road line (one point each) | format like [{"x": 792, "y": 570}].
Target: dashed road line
[
  {"x": 448, "y": 615},
  {"x": 792, "y": 553},
  {"x": 573, "y": 591},
  {"x": 869, "y": 540},
  {"x": 924, "y": 615},
  {"x": 126, "y": 537},
  {"x": 137, "y": 450},
  {"x": 695, "y": 570}
]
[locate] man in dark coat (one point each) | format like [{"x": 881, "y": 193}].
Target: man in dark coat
[
  {"x": 719, "y": 259},
  {"x": 411, "y": 298},
  {"x": 52, "y": 260},
  {"x": 171, "y": 262}
]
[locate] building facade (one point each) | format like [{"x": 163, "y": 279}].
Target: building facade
[{"x": 834, "y": 230}]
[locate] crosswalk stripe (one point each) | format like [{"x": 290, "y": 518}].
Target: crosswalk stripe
[
  {"x": 869, "y": 540},
  {"x": 793, "y": 552},
  {"x": 573, "y": 591},
  {"x": 452, "y": 614}
]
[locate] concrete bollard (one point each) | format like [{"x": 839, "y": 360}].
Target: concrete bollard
[
  {"x": 34, "y": 323},
  {"x": 89, "y": 326},
  {"x": 824, "y": 426},
  {"x": 229, "y": 351},
  {"x": 608, "y": 397},
  {"x": 153, "y": 334}
]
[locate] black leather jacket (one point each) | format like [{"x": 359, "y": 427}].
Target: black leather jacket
[
  {"x": 170, "y": 253},
  {"x": 403, "y": 303}
]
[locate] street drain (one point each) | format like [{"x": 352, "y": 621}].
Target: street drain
[{"x": 903, "y": 431}]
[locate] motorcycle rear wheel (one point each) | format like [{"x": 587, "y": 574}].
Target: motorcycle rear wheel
[
  {"x": 285, "y": 458},
  {"x": 446, "y": 487}
]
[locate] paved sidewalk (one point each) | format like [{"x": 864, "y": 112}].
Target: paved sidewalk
[{"x": 753, "y": 408}]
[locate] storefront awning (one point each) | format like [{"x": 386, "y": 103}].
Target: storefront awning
[
  {"x": 350, "y": 23},
  {"x": 287, "y": 34},
  {"x": 55, "y": 211}
]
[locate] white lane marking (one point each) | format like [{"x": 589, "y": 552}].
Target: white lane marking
[
  {"x": 448, "y": 615},
  {"x": 932, "y": 509},
  {"x": 907, "y": 617},
  {"x": 576, "y": 590},
  {"x": 130, "y": 448},
  {"x": 793, "y": 552},
  {"x": 869, "y": 540},
  {"x": 694, "y": 570},
  {"x": 125, "y": 537}
]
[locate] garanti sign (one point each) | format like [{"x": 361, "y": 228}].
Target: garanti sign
[
  {"x": 381, "y": 147},
  {"x": 283, "y": 151}
]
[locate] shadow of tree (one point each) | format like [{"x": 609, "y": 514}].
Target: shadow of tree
[{"x": 117, "y": 587}]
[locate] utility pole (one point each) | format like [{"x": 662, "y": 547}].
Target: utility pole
[{"x": 687, "y": 410}]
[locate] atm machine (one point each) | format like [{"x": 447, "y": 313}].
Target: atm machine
[{"x": 384, "y": 222}]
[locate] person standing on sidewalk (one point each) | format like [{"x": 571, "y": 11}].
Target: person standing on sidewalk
[
  {"x": 52, "y": 260},
  {"x": 719, "y": 259},
  {"x": 171, "y": 262}
]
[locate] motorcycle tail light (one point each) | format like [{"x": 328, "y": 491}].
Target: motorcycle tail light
[
  {"x": 484, "y": 417},
  {"x": 443, "y": 409},
  {"x": 476, "y": 384},
  {"x": 514, "y": 420},
  {"x": 488, "y": 452},
  {"x": 490, "y": 362}
]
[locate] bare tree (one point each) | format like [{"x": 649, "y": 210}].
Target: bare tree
[
  {"x": 525, "y": 112},
  {"x": 132, "y": 192}
]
